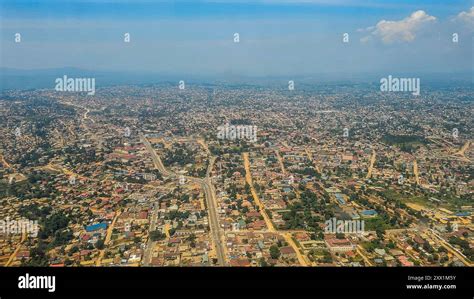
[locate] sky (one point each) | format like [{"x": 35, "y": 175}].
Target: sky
[{"x": 276, "y": 37}]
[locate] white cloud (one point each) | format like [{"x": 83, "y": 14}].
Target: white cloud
[
  {"x": 400, "y": 31},
  {"x": 466, "y": 17}
]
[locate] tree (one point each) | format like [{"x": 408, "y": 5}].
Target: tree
[
  {"x": 191, "y": 237},
  {"x": 157, "y": 235},
  {"x": 38, "y": 256},
  {"x": 274, "y": 252},
  {"x": 380, "y": 232},
  {"x": 449, "y": 228},
  {"x": 100, "y": 244},
  {"x": 54, "y": 223}
]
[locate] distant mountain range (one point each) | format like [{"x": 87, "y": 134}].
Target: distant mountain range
[{"x": 45, "y": 78}]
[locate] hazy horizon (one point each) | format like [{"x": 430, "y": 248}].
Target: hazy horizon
[
  {"x": 276, "y": 38},
  {"x": 12, "y": 79}
]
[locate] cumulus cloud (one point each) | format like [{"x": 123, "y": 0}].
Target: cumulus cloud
[
  {"x": 399, "y": 31},
  {"x": 466, "y": 17}
]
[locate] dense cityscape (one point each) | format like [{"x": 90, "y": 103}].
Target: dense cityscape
[{"x": 237, "y": 175}]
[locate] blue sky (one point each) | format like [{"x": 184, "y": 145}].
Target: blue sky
[{"x": 277, "y": 37}]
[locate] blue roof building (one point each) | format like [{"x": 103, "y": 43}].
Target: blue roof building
[
  {"x": 369, "y": 212},
  {"x": 97, "y": 226},
  {"x": 340, "y": 199}
]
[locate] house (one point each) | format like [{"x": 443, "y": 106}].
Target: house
[
  {"x": 404, "y": 261},
  {"x": 23, "y": 254},
  {"x": 240, "y": 263},
  {"x": 339, "y": 245},
  {"x": 380, "y": 251},
  {"x": 419, "y": 240},
  {"x": 288, "y": 252},
  {"x": 258, "y": 225},
  {"x": 253, "y": 214}
]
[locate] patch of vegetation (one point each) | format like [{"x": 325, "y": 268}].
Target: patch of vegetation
[
  {"x": 406, "y": 143},
  {"x": 157, "y": 235}
]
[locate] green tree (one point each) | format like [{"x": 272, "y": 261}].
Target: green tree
[
  {"x": 100, "y": 244},
  {"x": 274, "y": 252},
  {"x": 157, "y": 235}
]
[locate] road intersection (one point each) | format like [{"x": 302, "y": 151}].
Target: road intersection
[{"x": 210, "y": 194}]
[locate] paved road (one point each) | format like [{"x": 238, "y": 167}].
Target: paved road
[
  {"x": 415, "y": 170},
  {"x": 13, "y": 255},
  {"x": 361, "y": 252},
  {"x": 108, "y": 237},
  {"x": 209, "y": 192},
  {"x": 261, "y": 206},
  {"x": 371, "y": 166},
  {"x": 450, "y": 248},
  {"x": 269, "y": 223},
  {"x": 4, "y": 162},
  {"x": 149, "y": 247}
]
